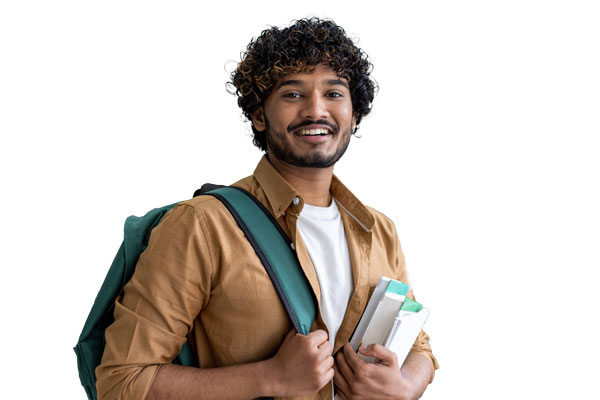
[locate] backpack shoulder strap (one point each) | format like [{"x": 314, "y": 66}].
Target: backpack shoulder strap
[
  {"x": 274, "y": 249},
  {"x": 269, "y": 241}
]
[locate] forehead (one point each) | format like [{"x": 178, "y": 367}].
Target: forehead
[{"x": 322, "y": 75}]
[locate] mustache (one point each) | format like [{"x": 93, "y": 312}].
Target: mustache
[{"x": 302, "y": 124}]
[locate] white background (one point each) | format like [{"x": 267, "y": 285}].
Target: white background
[{"x": 482, "y": 147}]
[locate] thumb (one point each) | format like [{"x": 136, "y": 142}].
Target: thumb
[
  {"x": 291, "y": 333},
  {"x": 383, "y": 354}
]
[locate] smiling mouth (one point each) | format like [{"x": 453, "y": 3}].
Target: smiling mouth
[{"x": 313, "y": 132}]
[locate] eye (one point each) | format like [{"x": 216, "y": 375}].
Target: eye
[
  {"x": 292, "y": 95},
  {"x": 335, "y": 95}
]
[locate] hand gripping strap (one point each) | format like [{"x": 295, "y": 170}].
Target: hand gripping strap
[{"x": 274, "y": 249}]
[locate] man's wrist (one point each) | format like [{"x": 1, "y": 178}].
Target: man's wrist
[
  {"x": 265, "y": 378},
  {"x": 418, "y": 371}
]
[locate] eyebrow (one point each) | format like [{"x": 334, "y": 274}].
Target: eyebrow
[{"x": 329, "y": 82}]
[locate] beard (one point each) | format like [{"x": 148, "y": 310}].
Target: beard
[{"x": 282, "y": 150}]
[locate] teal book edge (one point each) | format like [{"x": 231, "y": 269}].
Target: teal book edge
[
  {"x": 411, "y": 305},
  {"x": 397, "y": 287}
]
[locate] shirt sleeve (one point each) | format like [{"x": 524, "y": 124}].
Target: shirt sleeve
[
  {"x": 421, "y": 345},
  {"x": 169, "y": 287}
]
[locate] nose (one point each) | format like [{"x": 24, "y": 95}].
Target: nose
[{"x": 315, "y": 107}]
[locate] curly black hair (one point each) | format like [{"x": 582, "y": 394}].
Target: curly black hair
[{"x": 300, "y": 48}]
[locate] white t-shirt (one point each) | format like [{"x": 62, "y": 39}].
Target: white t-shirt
[{"x": 322, "y": 231}]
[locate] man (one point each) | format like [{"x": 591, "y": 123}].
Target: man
[{"x": 305, "y": 89}]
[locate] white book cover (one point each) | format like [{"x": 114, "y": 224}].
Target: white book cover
[
  {"x": 369, "y": 311},
  {"x": 382, "y": 321},
  {"x": 404, "y": 332}
]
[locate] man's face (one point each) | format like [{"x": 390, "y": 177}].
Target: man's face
[{"x": 308, "y": 118}]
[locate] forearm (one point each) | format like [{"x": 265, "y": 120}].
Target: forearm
[
  {"x": 233, "y": 382},
  {"x": 302, "y": 365},
  {"x": 418, "y": 369}
]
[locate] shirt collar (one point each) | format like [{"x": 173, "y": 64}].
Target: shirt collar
[
  {"x": 280, "y": 194},
  {"x": 347, "y": 201}
]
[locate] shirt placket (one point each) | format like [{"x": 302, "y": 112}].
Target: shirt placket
[{"x": 359, "y": 246}]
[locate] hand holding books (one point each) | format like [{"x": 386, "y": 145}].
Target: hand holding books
[{"x": 390, "y": 319}]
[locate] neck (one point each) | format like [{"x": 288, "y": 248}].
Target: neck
[{"x": 311, "y": 183}]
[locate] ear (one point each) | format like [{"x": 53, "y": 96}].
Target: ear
[
  {"x": 258, "y": 119},
  {"x": 353, "y": 123}
]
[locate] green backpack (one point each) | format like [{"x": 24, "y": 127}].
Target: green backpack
[{"x": 270, "y": 242}]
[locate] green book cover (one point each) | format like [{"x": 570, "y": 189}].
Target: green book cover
[
  {"x": 397, "y": 287},
  {"x": 411, "y": 305}
]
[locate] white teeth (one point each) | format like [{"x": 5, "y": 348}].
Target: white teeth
[{"x": 313, "y": 132}]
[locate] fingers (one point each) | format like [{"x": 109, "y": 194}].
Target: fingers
[
  {"x": 317, "y": 337},
  {"x": 291, "y": 333},
  {"x": 352, "y": 359},
  {"x": 325, "y": 349},
  {"x": 318, "y": 340},
  {"x": 342, "y": 365},
  {"x": 303, "y": 363},
  {"x": 383, "y": 354},
  {"x": 342, "y": 388},
  {"x": 329, "y": 362},
  {"x": 355, "y": 378},
  {"x": 329, "y": 373},
  {"x": 326, "y": 370}
]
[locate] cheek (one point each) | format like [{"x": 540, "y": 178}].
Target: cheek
[
  {"x": 345, "y": 112},
  {"x": 280, "y": 118}
]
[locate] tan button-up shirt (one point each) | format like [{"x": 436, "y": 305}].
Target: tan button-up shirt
[{"x": 200, "y": 280}]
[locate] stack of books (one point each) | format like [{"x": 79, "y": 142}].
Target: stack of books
[{"x": 390, "y": 319}]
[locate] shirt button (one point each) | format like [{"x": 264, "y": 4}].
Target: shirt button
[{"x": 296, "y": 200}]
